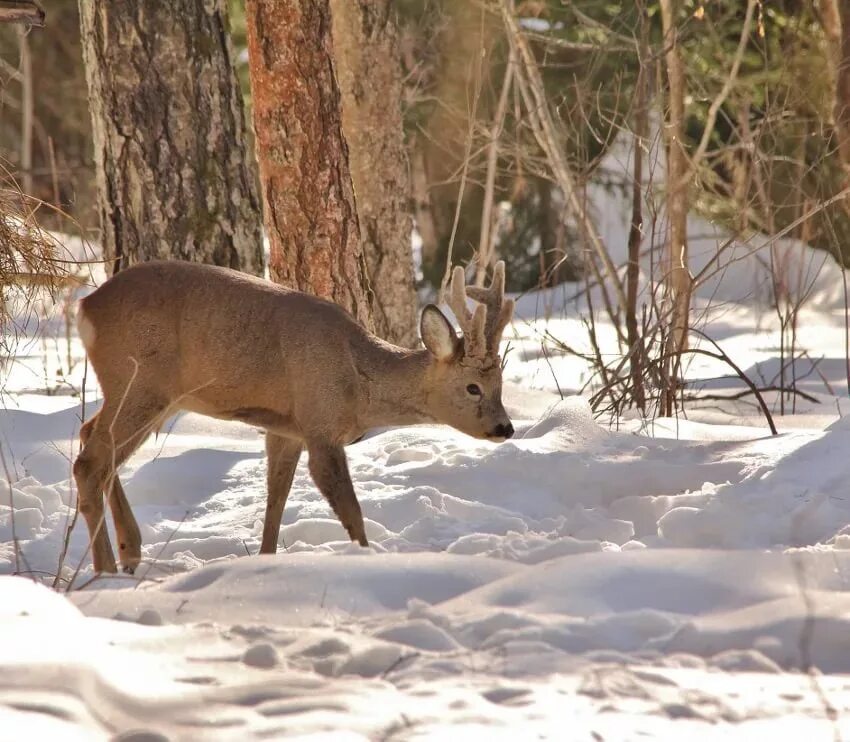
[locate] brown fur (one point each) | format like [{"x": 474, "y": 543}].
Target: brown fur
[{"x": 172, "y": 336}]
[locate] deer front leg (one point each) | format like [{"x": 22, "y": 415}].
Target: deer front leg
[
  {"x": 283, "y": 454},
  {"x": 329, "y": 470}
]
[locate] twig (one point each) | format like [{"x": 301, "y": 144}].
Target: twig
[
  {"x": 66, "y": 541},
  {"x": 746, "y": 392},
  {"x": 807, "y": 632},
  {"x": 21, "y": 11},
  {"x": 162, "y": 548},
  {"x": 579, "y": 46},
  {"x": 728, "y": 83},
  {"x": 544, "y": 131},
  {"x": 485, "y": 242},
  {"x": 462, "y": 187},
  {"x": 721, "y": 355},
  {"x": 551, "y": 370},
  {"x": 398, "y": 662},
  {"x": 15, "y": 542}
]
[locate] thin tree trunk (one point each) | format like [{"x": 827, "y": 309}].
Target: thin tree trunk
[
  {"x": 835, "y": 19},
  {"x": 173, "y": 177},
  {"x": 422, "y": 206},
  {"x": 465, "y": 41},
  {"x": 310, "y": 214},
  {"x": 27, "y": 110},
  {"x": 368, "y": 64},
  {"x": 641, "y": 128},
  {"x": 551, "y": 220},
  {"x": 677, "y": 276},
  {"x": 487, "y": 239}
]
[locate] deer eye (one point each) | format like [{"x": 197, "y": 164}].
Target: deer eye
[{"x": 474, "y": 390}]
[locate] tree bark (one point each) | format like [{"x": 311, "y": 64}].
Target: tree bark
[
  {"x": 368, "y": 64},
  {"x": 174, "y": 180},
  {"x": 310, "y": 213},
  {"x": 677, "y": 275}
]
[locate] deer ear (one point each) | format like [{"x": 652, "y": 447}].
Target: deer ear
[{"x": 437, "y": 333}]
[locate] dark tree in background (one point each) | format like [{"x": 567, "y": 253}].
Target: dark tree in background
[
  {"x": 310, "y": 213},
  {"x": 174, "y": 179},
  {"x": 368, "y": 63}
]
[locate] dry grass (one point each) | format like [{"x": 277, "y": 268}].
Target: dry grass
[
  {"x": 33, "y": 262},
  {"x": 28, "y": 253}
]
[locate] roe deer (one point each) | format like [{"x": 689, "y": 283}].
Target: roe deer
[{"x": 171, "y": 336}]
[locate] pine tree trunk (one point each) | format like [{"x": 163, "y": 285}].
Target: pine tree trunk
[
  {"x": 368, "y": 65},
  {"x": 310, "y": 214},
  {"x": 173, "y": 177}
]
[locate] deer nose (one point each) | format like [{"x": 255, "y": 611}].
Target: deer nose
[{"x": 503, "y": 431}]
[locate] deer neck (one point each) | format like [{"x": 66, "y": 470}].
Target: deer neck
[{"x": 394, "y": 382}]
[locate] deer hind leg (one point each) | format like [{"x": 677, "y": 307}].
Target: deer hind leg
[
  {"x": 329, "y": 470},
  {"x": 126, "y": 528},
  {"x": 283, "y": 455},
  {"x": 109, "y": 439}
]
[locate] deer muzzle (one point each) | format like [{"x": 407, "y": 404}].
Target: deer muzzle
[{"x": 501, "y": 432}]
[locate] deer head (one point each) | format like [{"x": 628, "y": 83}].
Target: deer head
[{"x": 465, "y": 389}]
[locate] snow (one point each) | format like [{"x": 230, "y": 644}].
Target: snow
[{"x": 588, "y": 579}]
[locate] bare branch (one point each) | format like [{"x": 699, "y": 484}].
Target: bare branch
[
  {"x": 713, "y": 109},
  {"x": 485, "y": 243},
  {"x": 544, "y": 131},
  {"x": 21, "y": 11}
]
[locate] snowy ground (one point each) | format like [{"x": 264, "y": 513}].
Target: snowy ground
[
  {"x": 578, "y": 582},
  {"x": 666, "y": 579}
]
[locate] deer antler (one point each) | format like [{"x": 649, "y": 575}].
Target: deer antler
[
  {"x": 471, "y": 324},
  {"x": 499, "y": 309},
  {"x": 482, "y": 330}
]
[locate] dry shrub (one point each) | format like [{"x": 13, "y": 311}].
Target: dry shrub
[{"x": 32, "y": 261}]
